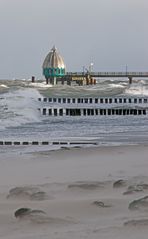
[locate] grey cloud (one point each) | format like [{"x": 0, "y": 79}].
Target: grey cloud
[{"x": 111, "y": 33}]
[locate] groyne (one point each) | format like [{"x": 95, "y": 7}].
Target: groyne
[
  {"x": 90, "y": 111},
  {"x": 101, "y": 100},
  {"x": 39, "y": 143}
]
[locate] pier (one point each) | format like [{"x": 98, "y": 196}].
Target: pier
[
  {"x": 81, "y": 76},
  {"x": 54, "y": 71}
]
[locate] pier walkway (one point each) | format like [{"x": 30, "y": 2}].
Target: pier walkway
[{"x": 129, "y": 75}]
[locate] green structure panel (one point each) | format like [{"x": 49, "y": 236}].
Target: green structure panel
[{"x": 53, "y": 72}]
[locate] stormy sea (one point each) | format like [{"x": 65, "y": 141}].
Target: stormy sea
[{"x": 20, "y": 119}]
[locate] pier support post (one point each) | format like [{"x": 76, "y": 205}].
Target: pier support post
[
  {"x": 47, "y": 81},
  {"x": 130, "y": 80},
  {"x": 68, "y": 82},
  {"x": 62, "y": 81},
  {"x": 33, "y": 79},
  {"x": 54, "y": 81}
]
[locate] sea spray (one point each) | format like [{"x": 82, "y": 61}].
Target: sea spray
[
  {"x": 138, "y": 88},
  {"x": 19, "y": 107}
]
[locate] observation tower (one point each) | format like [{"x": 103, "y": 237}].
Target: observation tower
[{"x": 53, "y": 67}]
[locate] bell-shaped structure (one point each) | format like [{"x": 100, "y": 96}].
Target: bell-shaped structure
[{"x": 53, "y": 66}]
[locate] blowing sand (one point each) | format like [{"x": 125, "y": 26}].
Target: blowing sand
[{"x": 77, "y": 191}]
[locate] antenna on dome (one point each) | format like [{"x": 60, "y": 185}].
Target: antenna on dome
[{"x": 54, "y": 48}]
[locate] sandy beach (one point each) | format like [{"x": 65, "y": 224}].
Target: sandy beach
[{"x": 82, "y": 192}]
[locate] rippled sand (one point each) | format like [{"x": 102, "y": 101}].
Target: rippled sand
[{"x": 76, "y": 193}]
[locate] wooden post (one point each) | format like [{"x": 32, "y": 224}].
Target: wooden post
[
  {"x": 33, "y": 79},
  {"x": 130, "y": 80},
  {"x": 47, "y": 81}
]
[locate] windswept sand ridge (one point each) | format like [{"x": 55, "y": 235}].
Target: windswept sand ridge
[
  {"x": 83, "y": 201},
  {"x": 137, "y": 222},
  {"x": 87, "y": 185},
  {"x": 28, "y": 192},
  {"x": 38, "y": 216}
]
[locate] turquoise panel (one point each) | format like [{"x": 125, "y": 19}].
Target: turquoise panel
[{"x": 53, "y": 72}]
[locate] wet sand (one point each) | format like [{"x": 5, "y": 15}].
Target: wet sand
[{"x": 76, "y": 189}]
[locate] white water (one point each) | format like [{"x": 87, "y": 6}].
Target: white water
[
  {"x": 3, "y": 86},
  {"x": 40, "y": 85},
  {"x": 20, "y": 118},
  {"x": 19, "y": 107},
  {"x": 137, "y": 89}
]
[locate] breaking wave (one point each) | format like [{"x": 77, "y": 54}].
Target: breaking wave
[
  {"x": 18, "y": 107},
  {"x": 39, "y": 85},
  {"x": 137, "y": 89},
  {"x": 3, "y": 86}
]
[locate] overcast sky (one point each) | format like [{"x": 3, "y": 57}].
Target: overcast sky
[{"x": 109, "y": 33}]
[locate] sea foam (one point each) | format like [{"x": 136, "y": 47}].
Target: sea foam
[{"x": 19, "y": 107}]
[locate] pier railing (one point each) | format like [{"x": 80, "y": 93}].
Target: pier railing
[{"x": 109, "y": 74}]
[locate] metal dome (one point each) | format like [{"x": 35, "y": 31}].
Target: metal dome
[{"x": 53, "y": 60}]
